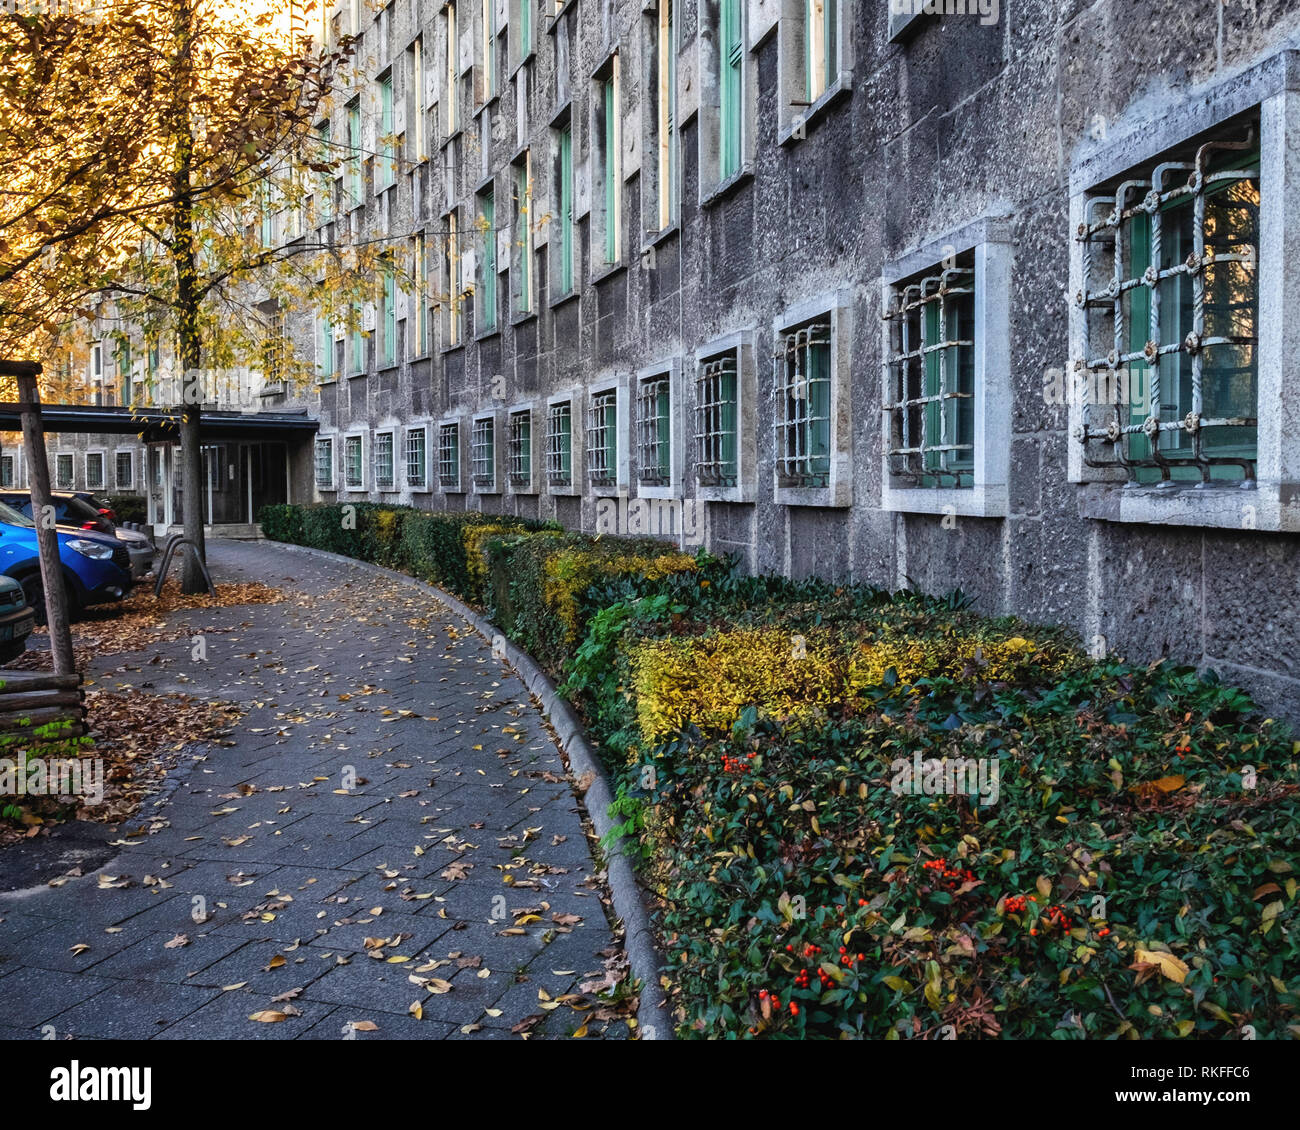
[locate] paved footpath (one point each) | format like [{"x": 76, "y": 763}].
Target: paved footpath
[{"x": 390, "y": 823}]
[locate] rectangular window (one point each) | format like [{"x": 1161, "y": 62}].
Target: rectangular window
[
  {"x": 324, "y": 347},
  {"x": 564, "y": 175},
  {"x": 821, "y": 46},
  {"x": 483, "y": 453},
  {"x": 488, "y": 268},
  {"x": 416, "y": 458},
  {"x": 6, "y": 470},
  {"x": 124, "y": 470},
  {"x": 802, "y": 386},
  {"x": 451, "y": 71},
  {"x": 419, "y": 149},
  {"x": 388, "y": 299},
  {"x": 488, "y": 47},
  {"x": 611, "y": 143},
  {"x": 325, "y": 464},
  {"x": 602, "y": 439},
  {"x": 384, "y": 460},
  {"x": 353, "y": 468},
  {"x": 358, "y": 340},
  {"x": 932, "y": 374},
  {"x": 559, "y": 445},
  {"x": 352, "y": 180},
  {"x": 521, "y": 449},
  {"x": 731, "y": 87},
  {"x": 525, "y": 16},
  {"x": 654, "y": 431},
  {"x": 387, "y": 165},
  {"x": 325, "y": 183},
  {"x": 451, "y": 271},
  {"x": 449, "y": 456},
  {"x": 523, "y": 234},
  {"x": 421, "y": 297},
  {"x": 716, "y": 414},
  {"x": 94, "y": 470},
  {"x": 1172, "y": 395},
  {"x": 666, "y": 115},
  {"x": 63, "y": 471}
]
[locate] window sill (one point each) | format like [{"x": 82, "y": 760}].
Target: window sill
[
  {"x": 487, "y": 103},
  {"x": 567, "y": 296},
  {"x": 321, "y": 382},
  {"x": 394, "y": 367},
  {"x": 658, "y": 491},
  {"x": 450, "y": 490},
  {"x": 796, "y": 128},
  {"x": 1264, "y": 506},
  {"x": 356, "y": 376},
  {"x": 656, "y": 238},
  {"x": 835, "y": 496},
  {"x": 488, "y": 490},
  {"x": 556, "y": 17},
  {"x": 986, "y": 501},
  {"x": 519, "y": 319},
  {"x": 520, "y": 64},
  {"x": 724, "y": 189},
  {"x": 607, "y": 271},
  {"x": 608, "y": 490},
  {"x": 486, "y": 334},
  {"x": 563, "y": 490},
  {"x": 445, "y": 349}
]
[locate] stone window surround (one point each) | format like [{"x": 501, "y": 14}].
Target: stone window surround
[
  {"x": 496, "y": 417},
  {"x": 672, "y": 369},
  {"x": 743, "y": 343},
  {"x": 459, "y": 486},
  {"x": 360, "y": 437},
  {"x": 103, "y": 468},
  {"x": 712, "y": 186},
  {"x": 391, "y": 431},
  {"x": 118, "y": 452},
  {"x": 315, "y": 474},
  {"x": 529, "y": 407},
  {"x": 837, "y": 307},
  {"x": 990, "y": 237},
  {"x": 1272, "y": 88},
  {"x": 427, "y": 427},
  {"x": 72, "y": 462},
  {"x": 795, "y": 112},
  {"x": 620, "y": 384},
  {"x": 576, "y": 398}
]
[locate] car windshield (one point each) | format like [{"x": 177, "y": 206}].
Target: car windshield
[{"x": 14, "y": 517}]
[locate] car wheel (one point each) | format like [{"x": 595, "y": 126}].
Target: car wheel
[{"x": 34, "y": 590}]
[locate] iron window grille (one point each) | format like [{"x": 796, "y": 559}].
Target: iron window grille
[
  {"x": 559, "y": 445},
  {"x": 124, "y": 470},
  {"x": 1174, "y": 395},
  {"x": 483, "y": 453},
  {"x": 353, "y": 469},
  {"x": 930, "y": 372},
  {"x": 6, "y": 470},
  {"x": 802, "y": 388},
  {"x": 384, "y": 459},
  {"x": 602, "y": 439},
  {"x": 325, "y": 463},
  {"x": 94, "y": 470},
  {"x": 63, "y": 470},
  {"x": 521, "y": 449},
  {"x": 654, "y": 431},
  {"x": 449, "y": 456},
  {"x": 716, "y": 410},
  {"x": 415, "y": 457}
]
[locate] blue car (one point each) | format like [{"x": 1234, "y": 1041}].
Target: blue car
[{"x": 96, "y": 568}]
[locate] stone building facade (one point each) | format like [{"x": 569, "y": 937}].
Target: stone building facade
[{"x": 977, "y": 294}]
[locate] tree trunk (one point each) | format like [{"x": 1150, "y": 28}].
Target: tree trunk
[{"x": 189, "y": 334}]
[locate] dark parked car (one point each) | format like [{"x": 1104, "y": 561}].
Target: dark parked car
[
  {"x": 96, "y": 569},
  {"x": 16, "y": 619},
  {"x": 72, "y": 511}
]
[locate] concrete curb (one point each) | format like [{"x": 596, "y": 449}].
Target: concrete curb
[{"x": 653, "y": 1020}]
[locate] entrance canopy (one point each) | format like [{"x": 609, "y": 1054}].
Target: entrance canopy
[{"x": 161, "y": 425}]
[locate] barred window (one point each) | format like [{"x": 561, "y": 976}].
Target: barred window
[
  {"x": 124, "y": 470},
  {"x": 654, "y": 431},
  {"x": 931, "y": 373},
  {"x": 94, "y": 470},
  {"x": 416, "y": 457},
  {"x": 602, "y": 439},
  {"x": 716, "y": 412},
  {"x": 521, "y": 449},
  {"x": 1169, "y": 384},
  {"x": 353, "y": 469},
  {"x": 483, "y": 452},
  {"x": 559, "y": 445},
  {"x": 802, "y": 387},
  {"x": 383, "y": 459},
  {"x": 6, "y": 470},
  {"x": 325, "y": 463},
  {"x": 63, "y": 471},
  {"x": 449, "y": 456}
]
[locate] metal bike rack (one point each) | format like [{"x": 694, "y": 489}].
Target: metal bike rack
[{"x": 174, "y": 542}]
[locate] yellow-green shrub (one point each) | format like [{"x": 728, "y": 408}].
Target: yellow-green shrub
[
  {"x": 569, "y": 573},
  {"x": 475, "y": 537},
  {"x": 979, "y": 654}
]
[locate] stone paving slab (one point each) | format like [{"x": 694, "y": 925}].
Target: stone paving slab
[{"x": 380, "y": 813}]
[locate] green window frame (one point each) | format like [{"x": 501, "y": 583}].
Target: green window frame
[
  {"x": 325, "y": 193},
  {"x": 325, "y": 464},
  {"x": 449, "y": 456},
  {"x": 821, "y": 46},
  {"x": 610, "y": 141},
  {"x": 803, "y": 390},
  {"x": 483, "y": 452},
  {"x": 384, "y": 471},
  {"x": 324, "y": 347},
  {"x": 523, "y": 234},
  {"x": 654, "y": 430},
  {"x": 353, "y": 184},
  {"x": 358, "y": 341},
  {"x": 602, "y": 438},
  {"x": 353, "y": 463},
  {"x": 390, "y": 317},
  {"x": 487, "y": 222},
  {"x": 717, "y": 410},
  {"x": 559, "y": 445},
  {"x": 126, "y": 386},
  {"x": 521, "y": 449},
  {"x": 731, "y": 62},
  {"x": 416, "y": 456},
  {"x": 566, "y": 209},
  {"x": 525, "y": 29},
  {"x": 387, "y": 144}
]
